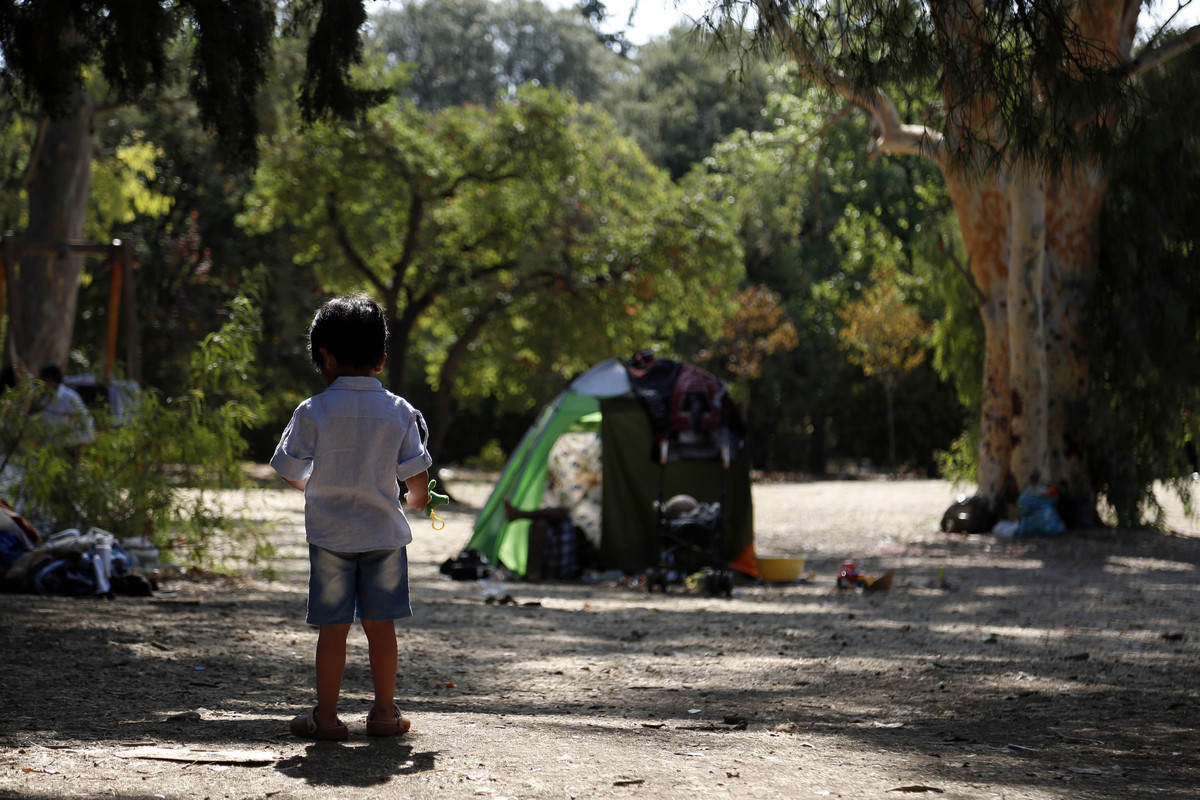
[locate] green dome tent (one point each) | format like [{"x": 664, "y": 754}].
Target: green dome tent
[{"x": 603, "y": 399}]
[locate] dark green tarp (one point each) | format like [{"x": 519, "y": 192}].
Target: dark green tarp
[{"x": 631, "y": 478}]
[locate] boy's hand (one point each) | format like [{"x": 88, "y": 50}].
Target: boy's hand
[
  {"x": 423, "y": 498},
  {"x": 417, "y": 497}
]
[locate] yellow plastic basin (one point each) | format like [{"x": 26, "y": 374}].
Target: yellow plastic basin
[{"x": 780, "y": 569}]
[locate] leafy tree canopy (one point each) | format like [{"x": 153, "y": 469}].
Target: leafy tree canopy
[
  {"x": 687, "y": 94},
  {"x": 478, "y": 51},
  {"x": 518, "y": 218}
]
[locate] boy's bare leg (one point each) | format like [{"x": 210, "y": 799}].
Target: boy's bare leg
[
  {"x": 331, "y": 663},
  {"x": 384, "y": 655}
]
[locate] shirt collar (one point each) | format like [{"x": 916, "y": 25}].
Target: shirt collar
[{"x": 359, "y": 383}]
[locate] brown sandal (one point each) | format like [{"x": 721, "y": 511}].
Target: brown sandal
[
  {"x": 393, "y": 726},
  {"x": 305, "y": 726}
]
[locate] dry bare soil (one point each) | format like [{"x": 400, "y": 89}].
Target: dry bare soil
[{"x": 1055, "y": 668}]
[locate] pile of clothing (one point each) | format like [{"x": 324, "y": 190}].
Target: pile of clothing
[{"x": 68, "y": 563}]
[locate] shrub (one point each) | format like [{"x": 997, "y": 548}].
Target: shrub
[{"x": 159, "y": 472}]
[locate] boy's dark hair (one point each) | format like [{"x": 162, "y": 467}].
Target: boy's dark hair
[
  {"x": 352, "y": 329},
  {"x": 51, "y": 371}
]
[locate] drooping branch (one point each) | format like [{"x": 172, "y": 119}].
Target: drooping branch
[
  {"x": 890, "y": 134},
  {"x": 1156, "y": 56}
]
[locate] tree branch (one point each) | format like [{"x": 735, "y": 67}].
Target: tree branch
[
  {"x": 348, "y": 249},
  {"x": 890, "y": 134},
  {"x": 1152, "y": 57}
]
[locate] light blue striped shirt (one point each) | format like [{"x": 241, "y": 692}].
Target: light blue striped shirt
[{"x": 354, "y": 442}]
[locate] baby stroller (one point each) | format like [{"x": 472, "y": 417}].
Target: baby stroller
[{"x": 690, "y": 536}]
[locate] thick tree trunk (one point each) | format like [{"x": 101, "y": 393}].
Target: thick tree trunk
[
  {"x": 1073, "y": 216},
  {"x": 48, "y": 286},
  {"x": 1031, "y": 244}
]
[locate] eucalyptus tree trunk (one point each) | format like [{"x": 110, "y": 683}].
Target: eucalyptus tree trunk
[
  {"x": 1030, "y": 240},
  {"x": 58, "y": 188}
]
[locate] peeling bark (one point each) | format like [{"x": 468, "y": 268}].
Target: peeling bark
[{"x": 1028, "y": 382}]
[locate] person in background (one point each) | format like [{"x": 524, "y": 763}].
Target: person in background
[{"x": 65, "y": 415}]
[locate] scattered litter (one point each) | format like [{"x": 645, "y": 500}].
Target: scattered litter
[
  {"x": 989, "y": 638},
  {"x": 850, "y": 578},
  {"x": 917, "y": 788},
  {"x": 1006, "y": 528},
  {"x": 185, "y": 716},
  {"x": 629, "y": 782}
]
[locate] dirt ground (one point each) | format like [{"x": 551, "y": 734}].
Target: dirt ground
[{"x": 1055, "y": 668}]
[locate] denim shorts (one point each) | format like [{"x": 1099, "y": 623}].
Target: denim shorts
[{"x": 371, "y": 585}]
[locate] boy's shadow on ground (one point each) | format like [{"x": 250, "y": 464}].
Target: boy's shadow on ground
[{"x": 356, "y": 763}]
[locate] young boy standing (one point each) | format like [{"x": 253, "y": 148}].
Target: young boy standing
[{"x": 347, "y": 449}]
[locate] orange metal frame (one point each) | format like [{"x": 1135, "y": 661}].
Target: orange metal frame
[{"x": 119, "y": 259}]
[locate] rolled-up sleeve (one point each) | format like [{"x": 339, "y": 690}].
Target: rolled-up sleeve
[
  {"x": 414, "y": 455},
  {"x": 293, "y": 456}
]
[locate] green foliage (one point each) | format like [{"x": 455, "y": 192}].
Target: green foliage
[
  {"x": 626, "y": 260},
  {"x": 512, "y": 245},
  {"x": 960, "y": 463},
  {"x": 123, "y": 187},
  {"x": 1035, "y": 65},
  {"x": 480, "y": 52},
  {"x": 687, "y": 94},
  {"x": 158, "y": 473},
  {"x": 47, "y": 47},
  {"x": 813, "y": 221},
  {"x": 490, "y": 456},
  {"x": 1145, "y": 397}
]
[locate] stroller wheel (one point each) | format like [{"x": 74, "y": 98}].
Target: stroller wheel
[
  {"x": 656, "y": 579},
  {"x": 719, "y": 583}
]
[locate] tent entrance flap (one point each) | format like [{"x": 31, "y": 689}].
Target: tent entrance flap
[{"x": 523, "y": 481}]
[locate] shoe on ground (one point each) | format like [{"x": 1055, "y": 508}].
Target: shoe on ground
[
  {"x": 305, "y": 726},
  {"x": 387, "y": 724}
]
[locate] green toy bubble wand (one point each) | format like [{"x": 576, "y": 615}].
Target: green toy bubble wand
[{"x": 435, "y": 500}]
